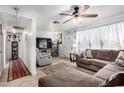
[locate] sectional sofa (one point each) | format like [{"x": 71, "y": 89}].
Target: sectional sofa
[
  {"x": 102, "y": 61},
  {"x": 98, "y": 60}
]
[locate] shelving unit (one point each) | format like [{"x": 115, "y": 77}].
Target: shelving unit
[{"x": 14, "y": 50}]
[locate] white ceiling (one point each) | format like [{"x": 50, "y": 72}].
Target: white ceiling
[{"x": 46, "y": 14}]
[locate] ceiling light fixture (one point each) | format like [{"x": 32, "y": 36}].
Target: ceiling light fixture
[{"x": 77, "y": 20}]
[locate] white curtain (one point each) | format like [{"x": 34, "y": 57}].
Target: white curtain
[{"x": 105, "y": 37}]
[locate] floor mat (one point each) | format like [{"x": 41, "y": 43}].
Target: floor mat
[
  {"x": 17, "y": 69},
  {"x": 60, "y": 66},
  {"x": 53, "y": 68}
]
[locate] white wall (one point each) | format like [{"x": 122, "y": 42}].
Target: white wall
[
  {"x": 46, "y": 34},
  {"x": 30, "y": 47},
  {"x": 1, "y": 55},
  {"x": 67, "y": 43}
]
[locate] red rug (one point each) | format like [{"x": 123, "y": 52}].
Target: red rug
[{"x": 17, "y": 69}]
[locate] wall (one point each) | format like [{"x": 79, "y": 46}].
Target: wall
[
  {"x": 30, "y": 47},
  {"x": 1, "y": 55},
  {"x": 67, "y": 43},
  {"x": 46, "y": 34}
]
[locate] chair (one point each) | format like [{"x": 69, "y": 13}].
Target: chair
[{"x": 43, "y": 58}]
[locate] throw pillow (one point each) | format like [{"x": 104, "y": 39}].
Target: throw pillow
[
  {"x": 120, "y": 58},
  {"x": 88, "y": 53},
  {"x": 117, "y": 79}
]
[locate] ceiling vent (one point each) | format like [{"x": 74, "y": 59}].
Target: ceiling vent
[{"x": 56, "y": 22}]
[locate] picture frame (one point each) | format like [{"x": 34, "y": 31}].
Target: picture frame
[{"x": 59, "y": 38}]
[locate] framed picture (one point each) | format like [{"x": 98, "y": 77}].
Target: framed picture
[{"x": 59, "y": 38}]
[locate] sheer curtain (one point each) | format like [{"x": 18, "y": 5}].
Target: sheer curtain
[{"x": 104, "y": 37}]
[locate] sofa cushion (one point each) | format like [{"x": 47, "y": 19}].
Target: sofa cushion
[
  {"x": 99, "y": 63},
  {"x": 90, "y": 67},
  {"x": 94, "y": 53},
  {"x": 88, "y": 53},
  {"x": 104, "y": 55},
  {"x": 114, "y": 54},
  {"x": 117, "y": 79},
  {"x": 104, "y": 74},
  {"x": 114, "y": 68},
  {"x": 69, "y": 77},
  {"x": 85, "y": 61},
  {"x": 120, "y": 58}
]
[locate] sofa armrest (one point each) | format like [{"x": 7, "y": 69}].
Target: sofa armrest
[{"x": 78, "y": 57}]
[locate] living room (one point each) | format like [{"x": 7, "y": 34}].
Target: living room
[{"x": 61, "y": 45}]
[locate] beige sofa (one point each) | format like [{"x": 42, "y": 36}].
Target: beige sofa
[
  {"x": 71, "y": 77},
  {"x": 99, "y": 59}
]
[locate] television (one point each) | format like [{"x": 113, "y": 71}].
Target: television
[{"x": 43, "y": 43}]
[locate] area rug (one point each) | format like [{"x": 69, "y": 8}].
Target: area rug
[
  {"x": 17, "y": 69},
  {"x": 58, "y": 67},
  {"x": 53, "y": 68}
]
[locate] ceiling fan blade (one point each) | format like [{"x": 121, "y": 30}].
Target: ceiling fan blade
[
  {"x": 84, "y": 8},
  {"x": 65, "y": 14},
  {"x": 68, "y": 20},
  {"x": 89, "y": 15}
]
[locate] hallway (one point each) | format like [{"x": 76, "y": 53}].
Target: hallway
[{"x": 17, "y": 69}]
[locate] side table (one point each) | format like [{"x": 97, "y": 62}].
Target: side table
[{"x": 72, "y": 57}]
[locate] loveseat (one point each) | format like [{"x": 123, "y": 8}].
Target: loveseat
[{"x": 99, "y": 59}]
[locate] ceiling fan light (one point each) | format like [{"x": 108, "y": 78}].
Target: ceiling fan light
[{"x": 77, "y": 20}]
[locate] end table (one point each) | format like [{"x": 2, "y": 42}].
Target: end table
[{"x": 72, "y": 57}]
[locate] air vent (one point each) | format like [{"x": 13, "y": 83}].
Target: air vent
[
  {"x": 18, "y": 27},
  {"x": 56, "y": 22}
]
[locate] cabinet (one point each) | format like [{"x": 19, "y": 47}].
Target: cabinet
[
  {"x": 55, "y": 48},
  {"x": 14, "y": 50}
]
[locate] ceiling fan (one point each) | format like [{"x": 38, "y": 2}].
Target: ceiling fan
[{"x": 78, "y": 12}]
